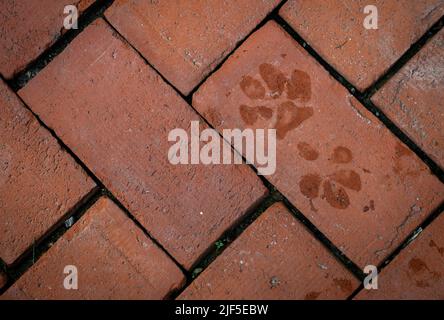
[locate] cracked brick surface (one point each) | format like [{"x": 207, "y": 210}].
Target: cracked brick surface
[
  {"x": 185, "y": 40},
  {"x": 417, "y": 272},
  {"x": 336, "y": 162},
  {"x": 334, "y": 28},
  {"x": 27, "y": 28},
  {"x": 414, "y": 98},
  {"x": 122, "y": 262},
  {"x": 275, "y": 258},
  {"x": 118, "y": 124},
  {"x": 39, "y": 182}
]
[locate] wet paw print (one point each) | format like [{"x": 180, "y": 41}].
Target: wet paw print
[
  {"x": 423, "y": 276},
  {"x": 284, "y": 98},
  {"x": 335, "y": 185}
]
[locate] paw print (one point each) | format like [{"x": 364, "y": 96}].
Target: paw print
[
  {"x": 282, "y": 97},
  {"x": 421, "y": 273},
  {"x": 335, "y": 185}
]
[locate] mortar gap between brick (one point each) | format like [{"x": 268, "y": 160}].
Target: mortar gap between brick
[
  {"x": 405, "y": 58},
  {"x": 177, "y": 92},
  {"x": 304, "y": 44},
  {"x": 223, "y": 242},
  {"x": 98, "y": 181},
  {"x": 356, "y": 292},
  {"x": 111, "y": 196},
  {"x": 40, "y": 246},
  {"x": 405, "y": 243},
  {"x": 270, "y": 16},
  {"x": 274, "y": 193},
  {"x": 123, "y": 39},
  {"x": 93, "y": 12},
  {"x": 233, "y": 233},
  {"x": 395, "y": 130},
  {"x": 349, "y": 264},
  {"x": 365, "y": 101},
  {"x": 324, "y": 240},
  {"x": 189, "y": 98},
  {"x": 413, "y": 235},
  {"x": 100, "y": 185},
  {"x": 63, "y": 146}
]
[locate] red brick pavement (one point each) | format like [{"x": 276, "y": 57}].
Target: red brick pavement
[
  {"x": 125, "y": 117},
  {"x": 3, "y": 279},
  {"x": 122, "y": 262},
  {"x": 158, "y": 232},
  {"x": 414, "y": 98},
  {"x": 39, "y": 182},
  {"x": 417, "y": 272},
  {"x": 185, "y": 40},
  {"x": 334, "y": 28},
  {"x": 29, "y": 27},
  {"x": 275, "y": 258},
  {"x": 338, "y": 164}
]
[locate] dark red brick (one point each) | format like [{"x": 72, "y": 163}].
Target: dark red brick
[
  {"x": 113, "y": 257},
  {"x": 186, "y": 40},
  {"x": 414, "y": 98},
  {"x": 28, "y": 28},
  {"x": 335, "y": 29},
  {"x": 336, "y": 162},
  {"x": 274, "y": 258},
  {"x": 115, "y": 112},
  {"x": 39, "y": 182},
  {"x": 417, "y": 272}
]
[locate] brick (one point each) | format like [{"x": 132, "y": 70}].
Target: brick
[
  {"x": 39, "y": 182},
  {"x": 336, "y": 162},
  {"x": 3, "y": 279},
  {"x": 28, "y": 28},
  {"x": 335, "y": 30},
  {"x": 186, "y": 40},
  {"x": 414, "y": 97},
  {"x": 274, "y": 258},
  {"x": 113, "y": 257},
  {"x": 417, "y": 272},
  {"x": 115, "y": 112}
]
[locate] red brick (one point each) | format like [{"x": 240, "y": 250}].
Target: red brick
[
  {"x": 114, "y": 260},
  {"x": 414, "y": 99},
  {"x": 186, "y": 40},
  {"x": 417, "y": 272},
  {"x": 115, "y": 112},
  {"x": 3, "y": 279},
  {"x": 335, "y": 29},
  {"x": 335, "y": 161},
  {"x": 39, "y": 182},
  {"x": 28, "y": 28},
  {"x": 274, "y": 258}
]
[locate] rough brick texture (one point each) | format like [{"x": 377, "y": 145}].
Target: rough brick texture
[
  {"x": 417, "y": 272},
  {"x": 335, "y": 29},
  {"x": 414, "y": 98},
  {"x": 115, "y": 113},
  {"x": 185, "y": 40},
  {"x": 275, "y": 258},
  {"x": 336, "y": 162},
  {"x": 39, "y": 182},
  {"x": 40, "y": 25},
  {"x": 121, "y": 262}
]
